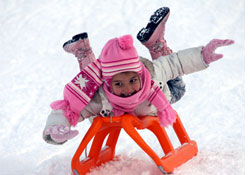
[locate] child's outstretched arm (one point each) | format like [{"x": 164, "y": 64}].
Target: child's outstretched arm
[
  {"x": 188, "y": 61},
  {"x": 58, "y": 128}
]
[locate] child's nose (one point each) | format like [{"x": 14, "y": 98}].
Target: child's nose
[{"x": 128, "y": 90}]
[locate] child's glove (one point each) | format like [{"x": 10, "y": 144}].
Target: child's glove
[
  {"x": 208, "y": 51},
  {"x": 61, "y": 133}
]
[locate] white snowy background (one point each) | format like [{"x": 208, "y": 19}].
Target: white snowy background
[{"x": 34, "y": 69}]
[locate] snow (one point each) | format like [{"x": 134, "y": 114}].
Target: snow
[{"x": 34, "y": 69}]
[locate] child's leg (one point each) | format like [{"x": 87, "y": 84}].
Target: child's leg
[
  {"x": 152, "y": 37},
  {"x": 80, "y": 47}
]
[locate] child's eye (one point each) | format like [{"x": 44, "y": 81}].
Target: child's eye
[
  {"x": 118, "y": 84},
  {"x": 133, "y": 80}
]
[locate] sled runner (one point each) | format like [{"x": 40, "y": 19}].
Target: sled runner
[{"x": 111, "y": 127}]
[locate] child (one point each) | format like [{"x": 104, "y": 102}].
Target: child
[
  {"x": 129, "y": 85},
  {"x": 152, "y": 36}
]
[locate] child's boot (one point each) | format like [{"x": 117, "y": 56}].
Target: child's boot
[
  {"x": 153, "y": 35},
  {"x": 80, "y": 47}
]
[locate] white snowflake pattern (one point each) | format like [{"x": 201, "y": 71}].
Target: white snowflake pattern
[
  {"x": 91, "y": 93},
  {"x": 81, "y": 81}
]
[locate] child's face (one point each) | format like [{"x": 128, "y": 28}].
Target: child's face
[{"x": 125, "y": 84}]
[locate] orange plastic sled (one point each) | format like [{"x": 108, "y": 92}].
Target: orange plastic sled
[{"x": 101, "y": 127}]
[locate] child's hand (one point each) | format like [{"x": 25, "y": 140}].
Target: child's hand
[
  {"x": 61, "y": 133},
  {"x": 208, "y": 51}
]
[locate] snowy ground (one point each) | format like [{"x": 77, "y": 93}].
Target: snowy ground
[{"x": 34, "y": 69}]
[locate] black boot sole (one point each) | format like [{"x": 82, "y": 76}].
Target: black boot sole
[
  {"x": 76, "y": 38},
  {"x": 145, "y": 33}
]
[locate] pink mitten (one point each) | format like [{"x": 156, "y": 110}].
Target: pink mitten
[
  {"x": 61, "y": 133},
  {"x": 208, "y": 51}
]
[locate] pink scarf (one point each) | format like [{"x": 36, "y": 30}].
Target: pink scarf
[
  {"x": 149, "y": 91},
  {"x": 129, "y": 104}
]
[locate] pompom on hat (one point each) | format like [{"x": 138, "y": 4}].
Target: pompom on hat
[{"x": 126, "y": 42}]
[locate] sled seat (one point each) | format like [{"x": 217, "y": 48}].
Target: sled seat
[{"x": 111, "y": 127}]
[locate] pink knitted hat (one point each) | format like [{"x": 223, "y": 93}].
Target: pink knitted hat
[{"x": 119, "y": 55}]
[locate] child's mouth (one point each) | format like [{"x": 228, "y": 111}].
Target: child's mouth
[{"x": 128, "y": 95}]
